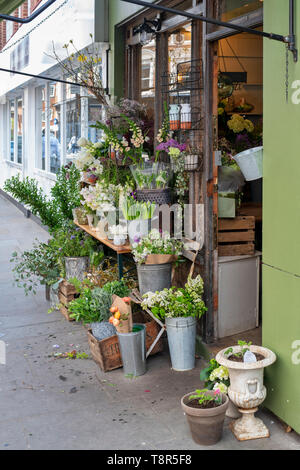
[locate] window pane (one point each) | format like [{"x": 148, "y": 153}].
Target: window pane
[
  {"x": 41, "y": 127},
  {"x": 148, "y": 75},
  {"x": 73, "y": 118},
  {"x": 12, "y": 130},
  {"x": 234, "y": 8},
  {"x": 95, "y": 114},
  {"x": 54, "y": 115},
  {"x": 20, "y": 130}
]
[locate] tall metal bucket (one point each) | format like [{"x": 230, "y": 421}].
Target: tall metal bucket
[
  {"x": 154, "y": 277},
  {"x": 181, "y": 333},
  {"x": 133, "y": 350}
]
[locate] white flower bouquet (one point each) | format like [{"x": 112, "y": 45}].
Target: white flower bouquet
[{"x": 157, "y": 248}]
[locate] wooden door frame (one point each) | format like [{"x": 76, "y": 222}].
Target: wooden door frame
[{"x": 210, "y": 65}]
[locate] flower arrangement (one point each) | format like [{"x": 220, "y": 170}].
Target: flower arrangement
[
  {"x": 181, "y": 302},
  {"x": 133, "y": 210},
  {"x": 121, "y": 317},
  {"x": 215, "y": 377},
  {"x": 156, "y": 243},
  {"x": 238, "y": 124}
]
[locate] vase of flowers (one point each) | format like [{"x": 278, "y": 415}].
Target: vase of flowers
[
  {"x": 155, "y": 255},
  {"x": 138, "y": 215},
  {"x": 205, "y": 412},
  {"x": 119, "y": 233},
  {"x": 179, "y": 308}
]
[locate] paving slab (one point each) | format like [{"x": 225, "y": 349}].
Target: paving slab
[{"x": 51, "y": 403}]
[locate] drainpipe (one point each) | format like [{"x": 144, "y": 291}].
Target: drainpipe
[{"x": 292, "y": 36}]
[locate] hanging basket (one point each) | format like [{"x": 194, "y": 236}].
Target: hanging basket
[{"x": 158, "y": 196}]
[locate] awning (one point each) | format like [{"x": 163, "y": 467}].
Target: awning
[{"x": 8, "y": 6}]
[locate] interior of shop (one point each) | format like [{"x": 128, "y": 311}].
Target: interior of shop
[{"x": 240, "y": 111}]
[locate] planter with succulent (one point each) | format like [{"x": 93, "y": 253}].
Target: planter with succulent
[
  {"x": 246, "y": 364},
  {"x": 205, "y": 411},
  {"x": 155, "y": 255},
  {"x": 216, "y": 377},
  {"x": 179, "y": 308}
]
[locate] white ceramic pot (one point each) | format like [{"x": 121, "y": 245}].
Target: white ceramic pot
[
  {"x": 247, "y": 390},
  {"x": 138, "y": 229},
  {"x": 119, "y": 240}
]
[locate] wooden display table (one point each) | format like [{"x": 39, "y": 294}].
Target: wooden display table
[{"x": 119, "y": 250}]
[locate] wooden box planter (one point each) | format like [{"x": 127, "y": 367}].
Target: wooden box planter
[
  {"x": 236, "y": 236},
  {"x": 66, "y": 294},
  {"x": 106, "y": 353}
]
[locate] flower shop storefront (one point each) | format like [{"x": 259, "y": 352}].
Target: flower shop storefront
[{"x": 202, "y": 88}]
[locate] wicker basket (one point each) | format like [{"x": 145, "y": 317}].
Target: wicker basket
[{"x": 159, "y": 196}]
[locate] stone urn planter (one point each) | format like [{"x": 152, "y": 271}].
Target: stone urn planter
[
  {"x": 76, "y": 267},
  {"x": 206, "y": 425},
  {"x": 247, "y": 391}
]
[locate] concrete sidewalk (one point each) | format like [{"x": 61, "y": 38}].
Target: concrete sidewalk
[{"x": 48, "y": 403}]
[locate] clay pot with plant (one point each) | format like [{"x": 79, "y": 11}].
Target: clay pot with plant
[{"x": 205, "y": 411}]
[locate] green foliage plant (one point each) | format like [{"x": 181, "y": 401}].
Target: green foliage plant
[{"x": 244, "y": 347}]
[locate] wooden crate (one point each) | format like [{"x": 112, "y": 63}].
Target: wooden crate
[
  {"x": 106, "y": 353},
  {"x": 66, "y": 294},
  {"x": 236, "y": 236}
]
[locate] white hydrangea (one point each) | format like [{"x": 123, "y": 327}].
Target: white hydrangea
[
  {"x": 82, "y": 142},
  {"x": 222, "y": 387},
  {"x": 220, "y": 373}
]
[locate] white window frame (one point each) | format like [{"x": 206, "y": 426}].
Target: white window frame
[{"x": 15, "y": 102}]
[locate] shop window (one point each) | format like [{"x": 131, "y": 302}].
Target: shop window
[
  {"x": 234, "y": 8},
  {"x": 148, "y": 73},
  {"x": 40, "y": 95},
  {"x": 12, "y": 130},
  {"x": 9, "y": 30},
  {"x": 94, "y": 115},
  {"x": 73, "y": 118},
  {"x": 54, "y": 120},
  {"x": 20, "y": 130}
]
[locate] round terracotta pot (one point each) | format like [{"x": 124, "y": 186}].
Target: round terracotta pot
[{"x": 206, "y": 425}]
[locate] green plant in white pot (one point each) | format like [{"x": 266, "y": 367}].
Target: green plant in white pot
[
  {"x": 179, "y": 308},
  {"x": 155, "y": 255}
]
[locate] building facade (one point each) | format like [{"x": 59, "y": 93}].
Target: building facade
[{"x": 41, "y": 120}]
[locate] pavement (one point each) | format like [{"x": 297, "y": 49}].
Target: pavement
[{"x": 64, "y": 404}]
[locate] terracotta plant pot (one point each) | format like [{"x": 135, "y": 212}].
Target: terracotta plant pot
[{"x": 206, "y": 425}]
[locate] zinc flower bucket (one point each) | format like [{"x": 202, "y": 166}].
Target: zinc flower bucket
[
  {"x": 181, "y": 333},
  {"x": 251, "y": 163},
  {"x": 133, "y": 350},
  {"x": 154, "y": 277}
]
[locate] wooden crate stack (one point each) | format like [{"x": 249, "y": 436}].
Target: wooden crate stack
[
  {"x": 67, "y": 293},
  {"x": 236, "y": 236}
]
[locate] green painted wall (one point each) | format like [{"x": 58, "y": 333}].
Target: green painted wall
[{"x": 281, "y": 218}]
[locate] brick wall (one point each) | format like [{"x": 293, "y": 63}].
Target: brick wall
[
  {"x": 34, "y": 4},
  {"x": 2, "y": 34}
]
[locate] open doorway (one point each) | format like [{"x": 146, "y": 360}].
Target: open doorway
[{"x": 239, "y": 107}]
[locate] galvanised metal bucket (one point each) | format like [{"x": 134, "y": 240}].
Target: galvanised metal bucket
[
  {"x": 154, "y": 277},
  {"x": 76, "y": 267},
  {"x": 133, "y": 350},
  {"x": 181, "y": 333}
]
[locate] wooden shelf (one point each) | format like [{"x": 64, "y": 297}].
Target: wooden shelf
[{"x": 120, "y": 250}]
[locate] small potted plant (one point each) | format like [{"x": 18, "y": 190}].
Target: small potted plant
[
  {"x": 216, "y": 377},
  {"x": 179, "y": 308},
  {"x": 74, "y": 247},
  {"x": 205, "y": 411},
  {"x": 119, "y": 233},
  {"x": 245, "y": 364},
  {"x": 155, "y": 255},
  {"x": 139, "y": 215}
]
